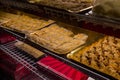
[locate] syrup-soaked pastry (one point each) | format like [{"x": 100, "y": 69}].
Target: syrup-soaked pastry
[
  {"x": 58, "y": 39},
  {"x": 22, "y": 23},
  {"x": 103, "y": 55},
  {"x": 65, "y": 4},
  {"x": 29, "y": 49}
]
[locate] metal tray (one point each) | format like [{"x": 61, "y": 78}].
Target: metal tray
[
  {"x": 77, "y": 9},
  {"x": 92, "y": 36},
  {"x": 76, "y": 56},
  {"x": 44, "y": 21},
  {"x": 82, "y": 10}
]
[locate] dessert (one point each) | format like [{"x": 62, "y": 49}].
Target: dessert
[
  {"x": 29, "y": 49},
  {"x": 58, "y": 38},
  {"x": 65, "y": 4},
  {"x": 104, "y": 55},
  {"x": 24, "y": 23}
]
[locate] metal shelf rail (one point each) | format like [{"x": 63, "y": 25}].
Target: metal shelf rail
[
  {"x": 54, "y": 13},
  {"x": 25, "y": 59},
  {"x": 29, "y": 62}
]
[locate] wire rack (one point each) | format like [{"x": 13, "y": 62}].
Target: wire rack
[
  {"x": 29, "y": 62},
  {"x": 25, "y": 59}
]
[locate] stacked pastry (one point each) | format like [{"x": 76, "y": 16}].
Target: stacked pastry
[
  {"x": 103, "y": 55},
  {"x": 29, "y": 49},
  {"x": 22, "y": 23},
  {"x": 58, "y": 39},
  {"x": 65, "y": 4}
]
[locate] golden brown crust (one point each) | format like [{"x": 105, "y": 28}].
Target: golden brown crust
[
  {"x": 58, "y": 39},
  {"x": 103, "y": 55},
  {"x": 73, "y": 5},
  {"x": 29, "y": 49},
  {"x": 22, "y": 23}
]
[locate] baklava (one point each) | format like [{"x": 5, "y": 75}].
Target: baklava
[
  {"x": 104, "y": 55},
  {"x": 23, "y": 23},
  {"x": 29, "y": 49},
  {"x": 73, "y": 5},
  {"x": 58, "y": 39}
]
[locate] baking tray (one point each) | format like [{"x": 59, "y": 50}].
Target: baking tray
[
  {"x": 43, "y": 22},
  {"x": 92, "y": 36},
  {"x": 85, "y": 10},
  {"x": 78, "y": 9},
  {"x": 89, "y": 71},
  {"x": 78, "y": 55}
]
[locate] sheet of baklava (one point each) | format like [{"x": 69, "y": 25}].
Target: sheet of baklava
[
  {"x": 23, "y": 22},
  {"x": 103, "y": 55},
  {"x": 29, "y": 49},
  {"x": 69, "y": 5},
  {"x": 62, "y": 38}
]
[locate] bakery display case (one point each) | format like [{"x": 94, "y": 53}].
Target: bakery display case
[{"x": 51, "y": 39}]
